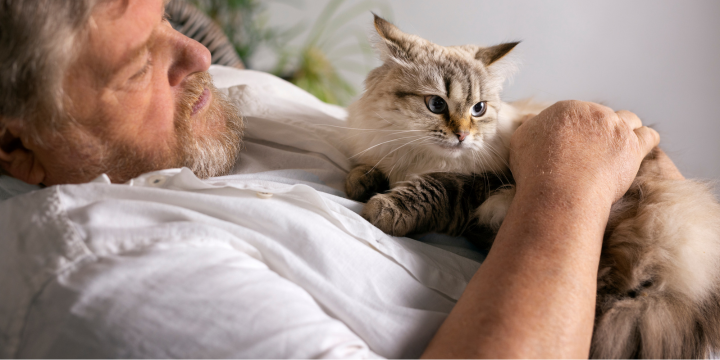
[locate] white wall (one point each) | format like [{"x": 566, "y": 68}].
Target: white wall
[{"x": 657, "y": 58}]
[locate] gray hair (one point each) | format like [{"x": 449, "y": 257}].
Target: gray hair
[{"x": 37, "y": 42}]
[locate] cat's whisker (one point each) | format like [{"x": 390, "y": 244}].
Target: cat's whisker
[
  {"x": 502, "y": 158},
  {"x": 378, "y": 115},
  {"x": 351, "y": 128},
  {"x": 384, "y": 142},
  {"x": 494, "y": 151},
  {"x": 395, "y": 132},
  {"x": 398, "y": 148},
  {"x": 398, "y": 161},
  {"x": 480, "y": 157},
  {"x": 502, "y": 174}
]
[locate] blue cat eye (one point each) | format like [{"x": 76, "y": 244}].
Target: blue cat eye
[
  {"x": 478, "y": 109},
  {"x": 435, "y": 104}
]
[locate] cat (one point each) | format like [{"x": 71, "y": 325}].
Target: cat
[{"x": 423, "y": 167}]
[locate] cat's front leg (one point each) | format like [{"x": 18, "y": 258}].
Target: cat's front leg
[
  {"x": 436, "y": 202},
  {"x": 364, "y": 181}
]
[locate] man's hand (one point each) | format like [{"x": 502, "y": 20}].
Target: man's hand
[{"x": 583, "y": 145}]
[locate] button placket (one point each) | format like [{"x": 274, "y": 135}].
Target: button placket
[{"x": 156, "y": 180}]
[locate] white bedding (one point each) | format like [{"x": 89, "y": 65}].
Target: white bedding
[{"x": 270, "y": 262}]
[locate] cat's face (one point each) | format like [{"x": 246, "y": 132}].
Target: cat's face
[{"x": 441, "y": 100}]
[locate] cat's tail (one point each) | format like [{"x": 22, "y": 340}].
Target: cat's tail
[{"x": 659, "y": 275}]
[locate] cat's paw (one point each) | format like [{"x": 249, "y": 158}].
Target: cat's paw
[
  {"x": 382, "y": 210},
  {"x": 364, "y": 181},
  {"x": 493, "y": 210}
]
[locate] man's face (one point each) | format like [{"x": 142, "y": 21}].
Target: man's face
[{"x": 140, "y": 100}]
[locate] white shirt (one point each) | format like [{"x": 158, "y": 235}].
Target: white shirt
[{"x": 271, "y": 262}]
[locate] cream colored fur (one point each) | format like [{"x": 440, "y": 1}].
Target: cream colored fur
[
  {"x": 492, "y": 212},
  {"x": 678, "y": 225}
]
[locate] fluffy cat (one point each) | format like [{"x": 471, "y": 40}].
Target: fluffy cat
[{"x": 424, "y": 165}]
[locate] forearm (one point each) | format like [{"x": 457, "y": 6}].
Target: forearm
[{"x": 534, "y": 296}]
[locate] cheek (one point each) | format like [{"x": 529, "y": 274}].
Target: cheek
[
  {"x": 416, "y": 115},
  {"x": 141, "y": 117},
  {"x": 487, "y": 127}
]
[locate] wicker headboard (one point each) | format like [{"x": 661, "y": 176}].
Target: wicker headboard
[{"x": 192, "y": 22}]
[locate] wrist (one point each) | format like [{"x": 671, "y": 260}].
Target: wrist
[
  {"x": 558, "y": 212},
  {"x": 576, "y": 190}
]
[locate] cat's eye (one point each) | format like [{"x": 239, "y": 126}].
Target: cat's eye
[
  {"x": 435, "y": 104},
  {"x": 478, "y": 109}
]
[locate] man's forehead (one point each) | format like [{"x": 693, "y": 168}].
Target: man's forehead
[
  {"x": 118, "y": 7},
  {"x": 120, "y": 30}
]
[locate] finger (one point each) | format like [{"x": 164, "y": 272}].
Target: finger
[
  {"x": 649, "y": 138},
  {"x": 630, "y": 118}
]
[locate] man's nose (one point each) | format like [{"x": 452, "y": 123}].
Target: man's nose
[{"x": 189, "y": 57}]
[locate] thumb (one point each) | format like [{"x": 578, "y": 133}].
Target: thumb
[{"x": 649, "y": 138}]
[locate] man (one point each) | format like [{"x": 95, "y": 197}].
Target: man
[
  {"x": 139, "y": 69},
  {"x": 108, "y": 87}
]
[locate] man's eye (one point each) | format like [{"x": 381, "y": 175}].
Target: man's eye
[{"x": 142, "y": 71}]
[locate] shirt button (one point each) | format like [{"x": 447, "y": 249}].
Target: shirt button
[
  {"x": 264, "y": 195},
  {"x": 156, "y": 180}
]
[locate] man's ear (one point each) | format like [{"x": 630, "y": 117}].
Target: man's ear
[{"x": 15, "y": 157}]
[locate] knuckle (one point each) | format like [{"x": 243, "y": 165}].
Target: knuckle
[
  {"x": 600, "y": 112},
  {"x": 570, "y": 103}
]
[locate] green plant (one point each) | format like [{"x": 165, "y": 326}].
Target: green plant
[
  {"x": 245, "y": 22},
  {"x": 316, "y": 65}
]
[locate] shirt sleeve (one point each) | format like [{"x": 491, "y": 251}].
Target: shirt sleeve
[{"x": 181, "y": 301}]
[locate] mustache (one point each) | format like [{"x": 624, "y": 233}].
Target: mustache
[
  {"x": 213, "y": 150},
  {"x": 194, "y": 87}
]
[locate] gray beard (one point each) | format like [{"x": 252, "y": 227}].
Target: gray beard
[
  {"x": 207, "y": 155},
  {"x": 214, "y": 155}
]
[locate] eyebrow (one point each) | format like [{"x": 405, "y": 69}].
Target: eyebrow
[
  {"x": 141, "y": 49},
  {"x": 128, "y": 59},
  {"x": 137, "y": 52}
]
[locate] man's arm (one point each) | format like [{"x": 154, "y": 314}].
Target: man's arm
[{"x": 534, "y": 296}]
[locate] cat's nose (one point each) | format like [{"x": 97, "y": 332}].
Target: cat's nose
[{"x": 462, "y": 135}]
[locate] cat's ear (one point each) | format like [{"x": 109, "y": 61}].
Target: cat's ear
[
  {"x": 499, "y": 66},
  {"x": 393, "y": 43},
  {"x": 492, "y": 54}
]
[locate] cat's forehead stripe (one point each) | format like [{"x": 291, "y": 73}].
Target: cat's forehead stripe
[
  {"x": 456, "y": 93},
  {"x": 469, "y": 94}
]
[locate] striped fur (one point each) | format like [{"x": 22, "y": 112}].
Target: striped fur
[
  {"x": 658, "y": 292},
  {"x": 434, "y": 202}
]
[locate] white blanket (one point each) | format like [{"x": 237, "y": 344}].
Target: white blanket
[{"x": 271, "y": 262}]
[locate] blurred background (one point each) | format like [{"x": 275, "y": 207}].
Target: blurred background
[{"x": 657, "y": 58}]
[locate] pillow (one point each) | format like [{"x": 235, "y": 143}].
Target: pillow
[{"x": 10, "y": 186}]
